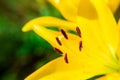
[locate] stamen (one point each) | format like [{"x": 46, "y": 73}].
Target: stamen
[
  {"x": 80, "y": 46},
  {"x": 66, "y": 58},
  {"x": 57, "y": 39},
  {"x": 59, "y": 51},
  {"x": 64, "y": 33},
  {"x": 78, "y": 31}
]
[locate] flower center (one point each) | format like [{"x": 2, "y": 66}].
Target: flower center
[{"x": 65, "y": 35}]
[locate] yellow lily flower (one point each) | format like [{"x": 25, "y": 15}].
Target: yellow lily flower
[{"x": 93, "y": 51}]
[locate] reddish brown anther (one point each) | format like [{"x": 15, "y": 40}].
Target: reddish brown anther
[
  {"x": 78, "y": 31},
  {"x": 80, "y": 45},
  {"x": 66, "y": 58},
  {"x": 64, "y": 33},
  {"x": 58, "y": 50},
  {"x": 57, "y": 39}
]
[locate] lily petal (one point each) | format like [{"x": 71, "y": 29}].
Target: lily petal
[
  {"x": 103, "y": 29},
  {"x": 59, "y": 70},
  {"x": 87, "y": 10},
  {"x": 113, "y": 4},
  {"x": 66, "y": 7},
  {"x": 107, "y": 24},
  {"x": 118, "y": 50},
  {"x": 49, "y": 21}
]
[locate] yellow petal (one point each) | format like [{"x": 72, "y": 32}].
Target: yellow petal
[
  {"x": 103, "y": 30},
  {"x": 118, "y": 49},
  {"x": 113, "y": 4},
  {"x": 66, "y": 7},
  {"x": 107, "y": 24},
  {"x": 49, "y": 21},
  {"x": 59, "y": 70},
  {"x": 94, "y": 41},
  {"x": 86, "y": 10}
]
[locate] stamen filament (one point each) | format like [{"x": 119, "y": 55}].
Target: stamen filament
[
  {"x": 64, "y": 33},
  {"x": 80, "y": 45},
  {"x": 78, "y": 32},
  {"x": 57, "y": 39},
  {"x": 58, "y": 50},
  {"x": 66, "y": 58}
]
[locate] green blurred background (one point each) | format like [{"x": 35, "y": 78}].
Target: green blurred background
[{"x": 22, "y": 53}]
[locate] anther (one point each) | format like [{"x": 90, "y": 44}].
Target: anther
[
  {"x": 59, "y": 51},
  {"x": 66, "y": 58},
  {"x": 78, "y": 31},
  {"x": 64, "y": 33},
  {"x": 57, "y": 39},
  {"x": 80, "y": 46}
]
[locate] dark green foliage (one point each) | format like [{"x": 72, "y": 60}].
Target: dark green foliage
[{"x": 21, "y": 53}]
